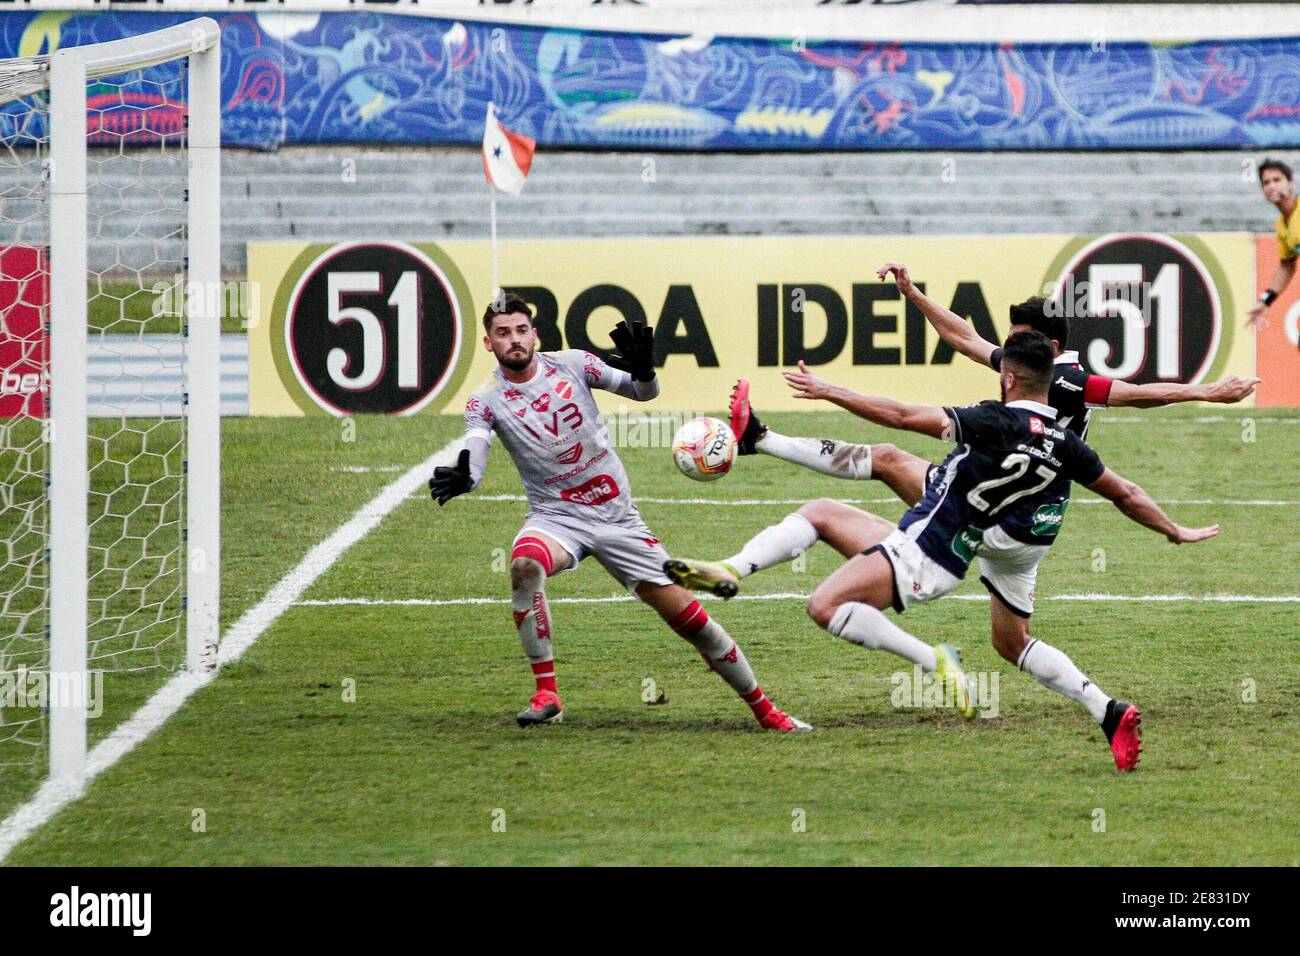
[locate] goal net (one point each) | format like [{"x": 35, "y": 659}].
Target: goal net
[{"x": 109, "y": 387}]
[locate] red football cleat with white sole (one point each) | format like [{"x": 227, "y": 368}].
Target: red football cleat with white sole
[{"x": 780, "y": 720}]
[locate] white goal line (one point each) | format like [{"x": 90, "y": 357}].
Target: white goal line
[{"x": 1096, "y": 597}]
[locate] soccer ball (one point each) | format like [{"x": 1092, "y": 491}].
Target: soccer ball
[{"x": 704, "y": 449}]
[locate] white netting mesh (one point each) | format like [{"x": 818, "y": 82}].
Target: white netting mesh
[{"x": 136, "y": 194}]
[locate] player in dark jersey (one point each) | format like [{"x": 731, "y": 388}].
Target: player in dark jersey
[
  {"x": 1073, "y": 392},
  {"x": 998, "y": 497}
]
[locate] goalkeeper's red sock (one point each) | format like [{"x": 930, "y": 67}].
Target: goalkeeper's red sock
[
  {"x": 758, "y": 702},
  {"x": 544, "y": 674},
  {"x": 722, "y": 654}
]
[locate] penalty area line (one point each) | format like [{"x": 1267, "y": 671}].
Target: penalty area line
[{"x": 53, "y": 795}]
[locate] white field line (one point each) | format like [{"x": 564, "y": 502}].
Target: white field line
[
  {"x": 53, "y": 797},
  {"x": 748, "y": 502},
  {"x": 795, "y": 596},
  {"x": 1202, "y": 420},
  {"x": 367, "y": 469}
]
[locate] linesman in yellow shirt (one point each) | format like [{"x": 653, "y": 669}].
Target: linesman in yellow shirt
[{"x": 1278, "y": 185}]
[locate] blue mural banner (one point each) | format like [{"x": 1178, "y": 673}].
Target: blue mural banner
[{"x": 385, "y": 78}]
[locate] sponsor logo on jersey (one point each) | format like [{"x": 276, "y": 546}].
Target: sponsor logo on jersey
[
  {"x": 651, "y": 542},
  {"x": 564, "y": 389},
  {"x": 521, "y": 412},
  {"x": 1063, "y": 382},
  {"x": 550, "y": 371},
  {"x": 571, "y": 455},
  {"x": 966, "y": 543},
  {"x": 1035, "y": 425},
  {"x": 573, "y": 472},
  {"x": 512, "y": 394},
  {"x": 597, "y": 491},
  {"x": 1048, "y": 518},
  {"x": 542, "y": 402}
]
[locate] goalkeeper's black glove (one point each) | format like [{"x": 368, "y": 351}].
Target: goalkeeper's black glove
[
  {"x": 447, "y": 483},
  {"x": 636, "y": 349}
]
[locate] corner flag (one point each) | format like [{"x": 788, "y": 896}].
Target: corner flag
[{"x": 507, "y": 156}]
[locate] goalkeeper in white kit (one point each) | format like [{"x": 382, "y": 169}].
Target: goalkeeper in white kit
[{"x": 580, "y": 504}]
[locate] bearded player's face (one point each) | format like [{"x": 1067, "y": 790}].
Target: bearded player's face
[{"x": 512, "y": 340}]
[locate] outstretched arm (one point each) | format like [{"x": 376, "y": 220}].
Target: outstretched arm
[
  {"x": 952, "y": 328},
  {"x": 926, "y": 419},
  {"x": 1277, "y": 285},
  {"x": 1229, "y": 391},
  {"x": 1136, "y": 504},
  {"x": 449, "y": 481},
  {"x": 630, "y": 371}
]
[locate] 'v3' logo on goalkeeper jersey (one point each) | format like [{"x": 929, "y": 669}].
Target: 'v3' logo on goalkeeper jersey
[{"x": 560, "y": 445}]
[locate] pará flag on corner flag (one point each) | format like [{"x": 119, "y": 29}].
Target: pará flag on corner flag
[{"x": 507, "y": 156}]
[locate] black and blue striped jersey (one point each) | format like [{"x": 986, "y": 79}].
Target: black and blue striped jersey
[{"x": 1012, "y": 467}]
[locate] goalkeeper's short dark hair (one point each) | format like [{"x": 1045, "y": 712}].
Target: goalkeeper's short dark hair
[
  {"x": 508, "y": 304},
  {"x": 1029, "y": 356}
]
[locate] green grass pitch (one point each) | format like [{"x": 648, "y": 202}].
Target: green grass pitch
[{"x": 427, "y": 766}]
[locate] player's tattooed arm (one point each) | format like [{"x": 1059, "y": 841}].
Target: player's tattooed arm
[
  {"x": 1130, "y": 498},
  {"x": 952, "y": 328},
  {"x": 1227, "y": 391},
  {"x": 926, "y": 419}
]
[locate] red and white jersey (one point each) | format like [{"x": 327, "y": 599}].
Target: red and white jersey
[{"x": 554, "y": 433}]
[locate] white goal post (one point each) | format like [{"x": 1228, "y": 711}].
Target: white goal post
[{"x": 65, "y": 74}]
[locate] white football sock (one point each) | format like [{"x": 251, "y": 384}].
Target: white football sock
[
  {"x": 1052, "y": 668},
  {"x": 835, "y": 458},
  {"x": 865, "y": 626},
  {"x": 775, "y": 544},
  {"x": 532, "y": 615},
  {"x": 725, "y": 657}
]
